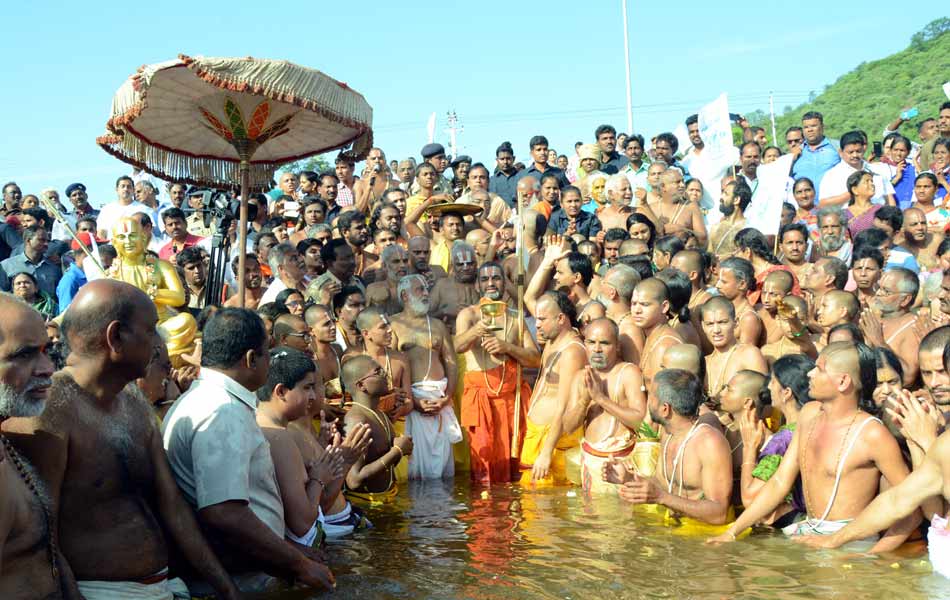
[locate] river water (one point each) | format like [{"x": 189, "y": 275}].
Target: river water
[{"x": 445, "y": 539}]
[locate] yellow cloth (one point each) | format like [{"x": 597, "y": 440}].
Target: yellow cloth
[
  {"x": 534, "y": 437},
  {"x": 401, "y": 470},
  {"x": 440, "y": 255},
  {"x": 374, "y": 498},
  {"x": 462, "y": 450},
  {"x": 687, "y": 526}
]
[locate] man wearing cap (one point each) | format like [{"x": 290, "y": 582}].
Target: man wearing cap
[
  {"x": 76, "y": 192},
  {"x": 74, "y": 277},
  {"x": 434, "y": 154},
  {"x": 460, "y": 166},
  {"x": 539, "y": 165}
]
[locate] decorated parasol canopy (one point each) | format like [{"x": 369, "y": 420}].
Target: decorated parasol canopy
[{"x": 221, "y": 122}]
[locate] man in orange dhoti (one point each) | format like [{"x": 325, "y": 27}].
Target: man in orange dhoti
[{"x": 488, "y": 338}]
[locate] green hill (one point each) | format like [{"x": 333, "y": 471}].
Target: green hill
[{"x": 874, "y": 93}]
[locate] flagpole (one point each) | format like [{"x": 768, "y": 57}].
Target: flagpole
[
  {"x": 626, "y": 57},
  {"x": 772, "y": 116}
]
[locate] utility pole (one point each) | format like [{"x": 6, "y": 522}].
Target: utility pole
[
  {"x": 626, "y": 57},
  {"x": 454, "y": 129},
  {"x": 772, "y": 117}
]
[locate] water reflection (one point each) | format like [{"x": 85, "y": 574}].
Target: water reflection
[{"x": 449, "y": 540}]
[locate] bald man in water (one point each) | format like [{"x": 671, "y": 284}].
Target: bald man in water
[
  {"x": 650, "y": 307},
  {"x": 839, "y": 450},
  {"x": 729, "y": 355},
  {"x": 100, "y": 454},
  {"x": 29, "y": 569}
]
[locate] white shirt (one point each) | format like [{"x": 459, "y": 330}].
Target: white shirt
[
  {"x": 276, "y": 287},
  {"x": 836, "y": 180},
  {"x": 110, "y": 214},
  {"x": 217, "y": 451}
]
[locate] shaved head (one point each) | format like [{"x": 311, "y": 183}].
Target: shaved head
[
  {"x": 603, "y": 327},
  {"x": 654, "y": 289},
  {"x": 356, "y": 368},
  {"x": 683, "y": 356},
  {"x": 689, "y": 261},
  {"x": 98, "y": 304},
  {"x": 783, "y": 279},
  {"x": 368, "y": 318},
  {"x": 845, "y": 300},
  {"x": 718, "y": 303},
  {"x": 287, "y": 324}
]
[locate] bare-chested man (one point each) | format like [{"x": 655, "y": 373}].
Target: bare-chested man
[
  {"x": 676, "y": 213},
  {"x": 728, "y": 355},
  {"x": 376, "y": 179},
  {"x": 33, "y": 566},
  {"x": 616, "y": 289},
  {"x": 619, "y": 198},
  {"x": 684, "y": 356},
  {"x": 432, "y": 425},
  {"x": 377, "y": 333},
  {"x": 736, "y": 279},
  {"x": 738, "y": 396},
  {"x": 918, "y": 240},
  {"x": 571, "y": 273},
  {"x": 253, "y": 283},
  {"x": 839, "y": 450},
  {"x": 826, "y": 274},
  {"x": 736, "y": 197},
  {"x": 795, "y": 339},
  {"x": 776, "y": 286},
  {"x": 420, "y": 253},
  {"x": 650, "y": 307},
  {"x": 383, "y": 294},
  {"x": 889, "y": 322},
  {"x": 694, "y": 476},
  {"x": 492, "y": 356},
  {"x": 834, "y": 308},
  {"x": 452, "y": 294},
  {"x": 534, "y": 227},
  {"x": 793, "y": 243},
  {"x": 608, "y": 401},
  {"x": 98, "y": 450},
  {"x": 543, "y": 459},
  {"x": 326, "y": 353}
]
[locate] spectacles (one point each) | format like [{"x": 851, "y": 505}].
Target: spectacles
[
  {"x": 377, "y": 372},
  {"x": 293, "y": 304},
  {"x": 301, "y": 334}
]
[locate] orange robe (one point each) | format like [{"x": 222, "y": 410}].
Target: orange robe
[{"x": 488, "y": 413}]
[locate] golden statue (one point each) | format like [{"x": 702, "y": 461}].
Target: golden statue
[{"x": 157, "y": 278}]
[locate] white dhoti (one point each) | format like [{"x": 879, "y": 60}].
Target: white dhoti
[
  {"x": 432, "y": 435},
  {"x": 164, "y": 589},
  {"x": 938, "y": 545},
  {"x": 812, "y": 526}
]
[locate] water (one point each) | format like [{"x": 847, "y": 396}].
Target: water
[{"x": 449, "y": 540}]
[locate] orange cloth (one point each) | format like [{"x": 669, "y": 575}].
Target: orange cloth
[
  {"x": 489, "y": 418},
  {"x": 756, "y": 294},
  {"x": 544, "y": 208}
]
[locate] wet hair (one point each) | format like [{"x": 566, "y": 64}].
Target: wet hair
[
  {"x": 855, "y": 331},
  {"x": 670, "y": 244},
  {"x": 742, "y": 269},
  {"x": 791, "y": 371},
  {"x": 886, "y": 359},
  {"x": 288, "y": 367},
  {"x": 862, "y": 252},
  {"x": 616, "y": 234},
  {"x": 800, "y": 228},
  {"x": 752, "y": 239},
  {"x": 867, "y": 367},
  {"x": 680, "y": 290},
  {"x": 229, "y": 335},
  {"x": 565, "y": 305},
  {"x": 891, "y": 215},
  {"x": 639, "y": 218},
  {"x": 581, "y": 265},
  {"x": 680, "y": 389}
]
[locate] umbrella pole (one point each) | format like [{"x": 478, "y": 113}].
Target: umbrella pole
[
  {"x": 242, "y": 224},
  {"x": 519, "y": 278}
]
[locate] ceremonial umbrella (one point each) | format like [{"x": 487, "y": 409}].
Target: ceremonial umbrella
[{"x": 220, "y": 122}]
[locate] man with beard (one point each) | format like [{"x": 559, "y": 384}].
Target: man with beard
[
  {"x": 609, "y": 402},
  {"x": 793, "y": 243},
  {"x": 736, "y": 280},
  {"x": 492, "y": 357},
  {"x": 33, "y": 566},
  {"x": 650, "y": 307},
  {"x": 695, "y": 462},
  {"x": 735, "y": 199},
  {"x": 675, "y": 212},
  {"x": 420, "y": 252},
  {"x": 616, "y": 289},
  {"x": 839, "y": 450},
  {"x": 383, "y": 293},
  {"x": 889, "y": 322},
  {"x": 451, "y": 295},
  {"x": 750, "y": 157},
  {"x": 611, "y": 161},
  {"x": 572, "y": 273},
  {"x": 920, "y": 242},
  {"x": 352, "y": 226},
  {"x": 433, "y": 425},
  {"x": 729, "y": 355},
  {"x": 99, "y": 452},
  {"x": 253, "y": 290},
  {"x": 867, "y": 264},
  {"x": 495, "y": 210},
  {"x": 287, "y": 267},
  {"x": 831, "y": 236},
  {"x": 836, "y": 307},
  {"x": 543, "y": 460},
  {"x": 387, "y": 217},
  {"x": 326, "y": 353},
  {"x": 933, "y": 368}
]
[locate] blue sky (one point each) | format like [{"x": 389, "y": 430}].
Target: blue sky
[{"x": 509, "y": 69}]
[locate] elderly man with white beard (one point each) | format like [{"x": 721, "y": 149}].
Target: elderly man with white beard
[
  {"x": 432, "y": 365},
  {"x": 831, "y": 234},
  {"x": 383, "y": 294}
]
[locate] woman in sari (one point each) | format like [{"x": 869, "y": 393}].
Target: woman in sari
[
  {"x": 25, "y": 288},
  {"x": 860, "y": 211}
]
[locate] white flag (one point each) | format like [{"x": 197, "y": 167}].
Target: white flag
[
  {"x": 771, "y": 190},
  {"x": 719, "y": 155},
  {"x": 430, "y": 128}
]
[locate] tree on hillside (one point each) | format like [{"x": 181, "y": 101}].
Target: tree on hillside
[
  {"x": 318, "y": 164},
  {"x": 932, "y": 31}
]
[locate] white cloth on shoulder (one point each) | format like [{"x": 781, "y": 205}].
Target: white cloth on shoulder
[{"x": 432, "y": 435}]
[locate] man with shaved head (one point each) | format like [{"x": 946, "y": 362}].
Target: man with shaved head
[
  {"x": 292, "y": 331},
  {"x": 547, "y": 437},
  {"x": 99, "y": 452},
  {"x": 30, "y": 570},
  {"x": 729, "y": 355},
  {"x": 650, "y": 307},
  {"x": 395, "y": 260},
  {"x": 839, "y": 450},
  {"x": 918, "y": 240},
  {"x": 889, "y": 322},
  {"x": 616, "y": 290},
  {"x": 608, "y": 401},
  {"x": 834, "y": 308},
  {"x": 480, "y": 240},
  {"x": 741, "y": 394},
  {"x": 492, "y": 356},
  {"x": 452, "y": 294},
  {"x": 777, "y": 285},
  {"x": 686, "y": 357}
]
